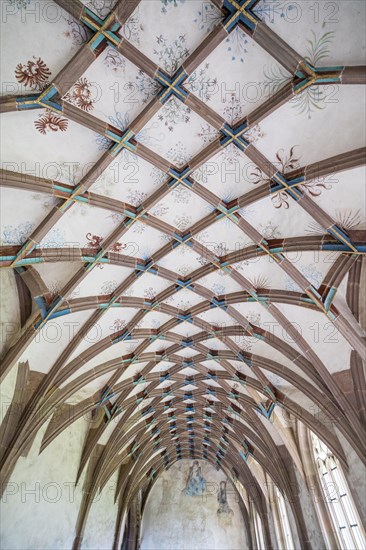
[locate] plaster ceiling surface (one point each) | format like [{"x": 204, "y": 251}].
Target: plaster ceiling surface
[{"x": 182, "y": 187}]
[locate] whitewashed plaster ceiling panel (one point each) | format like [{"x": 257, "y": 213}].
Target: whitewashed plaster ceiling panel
[
  {"x": 129, "y": 178},
  {"x": 236, "y": 77},
  {"x": 159, "y": 39},
  {"x": 319, "y": 118},
  {"x": 52, "y": 340},
  {"x": 176, "y": 132},
  {"x": 328, "y": 33}
]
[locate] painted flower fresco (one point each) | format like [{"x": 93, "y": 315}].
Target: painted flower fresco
[
  {"x": 50, "y": 122},
  {"x": 118, "y": 325},
  {"x": 182, "y": 222},
  {"x": 178, "y": 154},
  {"x": 269, "y": 230},
  {"x": 312, "y": 274},
  {"x": 207, "y": 133},
  {"x": 199, "y": 83},
  {"x": 19, "y": 4},
  {"x": 314, "y": 97},
  {"x": 78, "y": 33},
  {"x": 233, "y": 110},
  {"x": 115, "y": 61},
  {"x": 108, "y": 287},
  {"x": 133, "y": 28},
  {"x": 167, "y": 3},
  {"x": 146, "y": 86},
  {"x": 174, "y": 112},
  {"x": 81, "y": 95},
  {"x": 236, "y": 44},
  {"x": 171, "y": 55},
  {"x": 253, "y": 134},
  {"x": 101, "y": 7},
  {"x": 17, "y": 234},
  {"x": 285, "y": 163},
  {"x": 33, "y": 74},
  {"x": 208, "y": 17}
]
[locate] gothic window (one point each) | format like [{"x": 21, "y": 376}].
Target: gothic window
[
  {"x": 346, "y": 521},
  {"x": 284, "y": 522}
]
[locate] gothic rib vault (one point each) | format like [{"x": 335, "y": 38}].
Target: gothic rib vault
[{"x": 200, "y": 251}]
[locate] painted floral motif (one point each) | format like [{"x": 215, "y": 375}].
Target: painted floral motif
[
  {"x": 183, "y": 304},
  {"x": 34, "y": 74},
  {"x": 311, "y": 273},
  {"x": 174, "y": 112},
  {"x": 274, "y": 78},
  {"x": 231, "y": 154},
  {"x": 233, "y": 110},
  {"x": 184, "y": 270},
  {"x": 269, "y": 230},
  {"x": 200, "y": 83},
  {"x": 181, "y": 195},
  {"x": 315, "y": 187},
  {"x": 46, "y": 201},
  {"x": 136, "y": 197},
  {"x": 118, "y": 325},
  {"x": 167, "y": 3},
  {"x": 95, "y": 241},
  {"x": 138, "y": 228},
  {"x": 171, "y": 55},
  {"x": 285, "y": 164},
  {"x": 108, "y": 287},
  {"x": 150, "y": 293},
  {"x": 158, "y": 176},
  {"x": 313, "y": 98},
  {"x": 345, "y": 219},
  {"x": 236, "y": 45},
  {"x": 253, "y": 134},
  {"x": 182, "y": 222},
  {"x": 78, "y": 33},
  {"x": 54, "y": 288},
  {"x": 178, "y": 154},
  {"x": 207, "y": 133},
  {"x": 114, "y": 61},
  {"x": 50, "y": 122},
  {"x": 116, "y": 217},
  {"x": 146, "y": 86},
  {"x": 81, "y": 95},
  {"x": 101, "y": 7},
  {"x": 218, "y": 289},
  {"x": 54, "y": 239},
  {"x": 208, "y": 17},
  {"x": 19, "y": 4},
  {"x": 133, "y": 28},
  {"x": 18, "y": 234},
  {"x": 159, "y": 210}
]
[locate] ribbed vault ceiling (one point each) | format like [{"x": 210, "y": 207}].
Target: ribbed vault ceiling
[{"x": 185, "y": 221}]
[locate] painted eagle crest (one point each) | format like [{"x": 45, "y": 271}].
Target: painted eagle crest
[
  {"x": 50, "y": 122},
  {"x": 34, "y": 74}
]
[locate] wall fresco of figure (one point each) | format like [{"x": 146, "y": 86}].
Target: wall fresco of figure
[
  {"x": 196, "y": 484},
  {"x": 193, "y": 506}
]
